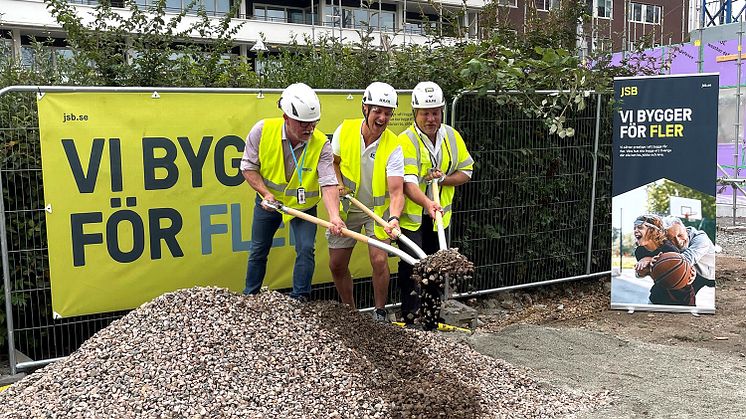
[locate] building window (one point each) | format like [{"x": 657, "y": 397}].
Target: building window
[
  {"x": 644, "y": 13},
  {"x": 420, "y": 27},
  {"x": 6, "y": 49},
  {"x": 280, "y": 14},
  {"x": 603, "y": 8},
  {"x": 356, "y": 18},
  {"x": 547, "y": 5},
  {"x": 212, "y": 7},
  {"x": 508, "y": 3},
  {"x": 602, "y": 44}
]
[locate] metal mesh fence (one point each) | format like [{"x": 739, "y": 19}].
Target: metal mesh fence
[
  {"x": 530, "y": 211},
  {"x": 528, "y": 215},
  {"x": 33, "y": 333}
]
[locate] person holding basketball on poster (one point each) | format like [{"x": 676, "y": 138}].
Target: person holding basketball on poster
[
  {"x": 696, "y": 247},
  {"x": 651, "y": 240}
]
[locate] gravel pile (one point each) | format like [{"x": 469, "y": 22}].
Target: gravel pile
[{"x": 210, "y": 353}]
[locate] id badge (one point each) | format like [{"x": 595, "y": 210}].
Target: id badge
[{"x": 301, "y": 194}]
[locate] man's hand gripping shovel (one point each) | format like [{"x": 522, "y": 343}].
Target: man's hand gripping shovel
[
  {"x": 277, "y": 205},
  {"x": 399, "y": 236}
]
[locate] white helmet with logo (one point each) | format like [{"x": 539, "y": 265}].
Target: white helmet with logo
[
  {"x": 427, "y": 95},
  {"x": 380, "y": 94},
  {"x": 298, "y": 101}
]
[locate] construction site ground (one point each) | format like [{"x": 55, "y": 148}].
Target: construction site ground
[{"x": 652, "y": 364}]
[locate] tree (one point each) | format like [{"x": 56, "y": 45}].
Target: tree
[{"x": 659, "y": 194}]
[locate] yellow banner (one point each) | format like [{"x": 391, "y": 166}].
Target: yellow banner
[{"x": 144, "y": 194}]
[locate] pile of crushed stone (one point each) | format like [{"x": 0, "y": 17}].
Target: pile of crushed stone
[{"x": 211, "y": 353}]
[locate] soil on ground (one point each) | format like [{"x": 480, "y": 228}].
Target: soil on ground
[
  {"x": 652, "y": 364},
  {"x": 586, "y": 305}
]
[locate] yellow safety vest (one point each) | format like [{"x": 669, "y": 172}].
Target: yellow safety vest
[
  {"x": 453, "y": 155},
  {"x": 349, "y": 136},
  {"x": 272, "y": 169}
]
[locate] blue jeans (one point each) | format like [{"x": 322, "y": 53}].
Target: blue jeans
[{"x": 263, "y": 229}]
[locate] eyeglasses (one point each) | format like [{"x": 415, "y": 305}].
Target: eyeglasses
[{"x": 310, "y": 124}]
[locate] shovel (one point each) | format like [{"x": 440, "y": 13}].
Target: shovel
[
  {"x": 399, "y": 236},
  {"x": 347, "y": 233},
  {"x": 438, "y": 216}
]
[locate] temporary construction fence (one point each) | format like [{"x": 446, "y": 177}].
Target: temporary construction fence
[{"x": 537, "y": 210}]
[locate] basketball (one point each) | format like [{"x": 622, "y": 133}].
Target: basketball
[{"x": 672, "y": 271}]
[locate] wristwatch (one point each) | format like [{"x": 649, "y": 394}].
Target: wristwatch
[{"x": 393, "y": 217}]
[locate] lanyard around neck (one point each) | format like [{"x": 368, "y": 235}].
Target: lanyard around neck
[
  {"x": 299, "y": 169},
  {"x": 433, "y": 160}
]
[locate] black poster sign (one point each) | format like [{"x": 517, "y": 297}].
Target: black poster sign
[{"x": 663, "y": 186}]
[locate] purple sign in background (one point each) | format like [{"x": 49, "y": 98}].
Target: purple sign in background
[
  {"x": 684, "y": 59},
  {"x": 727, "y": 69}
]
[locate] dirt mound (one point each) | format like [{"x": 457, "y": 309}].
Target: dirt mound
[{"x": 207, "y": 352}]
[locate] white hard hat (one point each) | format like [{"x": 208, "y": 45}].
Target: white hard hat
[
  {"x": 427, "y": 95},
  {"x": 298, "y": 101},
  {"x": 380, "y": 94}
]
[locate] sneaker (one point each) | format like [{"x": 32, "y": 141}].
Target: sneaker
[
  {"x": 380, "y": 316},
  {"x": 300, "y": 298}
]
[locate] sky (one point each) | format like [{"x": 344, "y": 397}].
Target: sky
[{"x": 628, "y": 206}]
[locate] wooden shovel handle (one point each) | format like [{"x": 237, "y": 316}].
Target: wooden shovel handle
[
  {"x": 370, "y": 212},
  {"x": 436, "y": 199},
  {"x": 318, "y": 221}
]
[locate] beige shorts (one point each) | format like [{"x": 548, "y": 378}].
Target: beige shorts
[{"x": 356, "y": 221}]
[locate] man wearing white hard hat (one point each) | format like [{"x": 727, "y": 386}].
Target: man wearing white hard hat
[
  {"x": 370, "y": 166},
  {"x": 288, "y": 160},
  {"x": 440, "y": 155}
]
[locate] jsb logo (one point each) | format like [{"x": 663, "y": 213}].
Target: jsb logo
[{"x": 629, "y": 91}]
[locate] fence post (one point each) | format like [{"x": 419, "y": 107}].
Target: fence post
[
  {"x": 593, "y": 186},
  {"x": 6, "y": 276}
]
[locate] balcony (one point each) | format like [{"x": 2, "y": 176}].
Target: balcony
[{"x": 32, "y": 18}]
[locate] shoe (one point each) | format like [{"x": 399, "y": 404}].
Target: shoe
[
  {"x": 380, "y": 316},
  {"x": 300, "y": 298},
  {"x": 409, "y": 321},
  {"x": 413, "y": 326}
]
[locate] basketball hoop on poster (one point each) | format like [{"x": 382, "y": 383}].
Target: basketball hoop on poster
[{"x": 685, "y": 208}]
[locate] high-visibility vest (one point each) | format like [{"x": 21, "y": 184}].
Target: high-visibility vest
[
  {"x": 272, "y": 168},
  {"x": 453, "y": 156},
  {"x": 349, "y": 136}
]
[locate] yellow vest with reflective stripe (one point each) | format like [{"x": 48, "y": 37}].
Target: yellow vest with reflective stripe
[
  {"x": 272, "y": 169},
  {"x": 349, "y": 139},
  {"x": 453, "y": 155}
]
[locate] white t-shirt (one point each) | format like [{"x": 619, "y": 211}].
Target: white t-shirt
[
  {"x": 394, "y": 166},
  {"x": 435, "y": 150}
]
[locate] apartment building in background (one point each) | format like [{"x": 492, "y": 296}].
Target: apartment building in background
[
  {"x": 268, "y": 25},
  {"x": 616, "y": 25}
]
